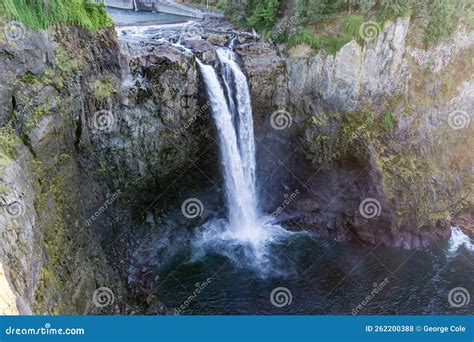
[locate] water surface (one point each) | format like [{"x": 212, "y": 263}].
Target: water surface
[{"x": 323, "y": 277}]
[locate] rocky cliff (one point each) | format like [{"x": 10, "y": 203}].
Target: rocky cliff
[
  {"x": 383, "y": 128},
  {"x": 90, "y": 137}
]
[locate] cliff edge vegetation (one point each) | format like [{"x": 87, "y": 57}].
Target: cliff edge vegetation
[{"x": 41, "y": 14}]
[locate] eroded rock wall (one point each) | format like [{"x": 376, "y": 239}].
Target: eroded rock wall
[
  {"x": 93, "y": 137},
  {"x": 373, "y": 122}
]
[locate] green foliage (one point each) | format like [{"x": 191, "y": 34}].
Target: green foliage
[
  {"x": 438, "y": 19},
  {"x": 316, "y": 10},
  {"x": 8, "y": 141},
  {"x": 351, "y": 28},
  {"x": 263, "y": 14},
  {"x": 41, "y": 14},
  {"x": 66, "y": 63},
  {"x": 231, "y": 8},
  {"x": 330, "y": 43},
  {"x": 103, "y": 88},
  {"x": 442, "y": 20},
  {"x": 305, "y": 36},
  {"x": 392, "y": 9},
  {"x": 386, "y": 122}
]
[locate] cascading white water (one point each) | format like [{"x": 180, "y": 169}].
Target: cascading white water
[
  {"x": 458, "y": 239},
  {"x": 246, "y": 236},
  {"x": 237, "y": 86},
  {"x": 135, "y": 7},
  {"x": 237, "y": 165}
]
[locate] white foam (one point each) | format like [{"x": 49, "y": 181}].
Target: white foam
[{"x": 459, "y": 239}]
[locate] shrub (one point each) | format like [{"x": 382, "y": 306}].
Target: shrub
[
  {"x": 331, "y": 43},
  {"x": 392, "y": 9},
  {"x": 263, "y": 15},
  {"x": 441, "y": 22},
  {"x": 305, "y": 36}
]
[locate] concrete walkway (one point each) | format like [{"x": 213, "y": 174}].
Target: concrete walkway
[{"x": 162, "y": 6}]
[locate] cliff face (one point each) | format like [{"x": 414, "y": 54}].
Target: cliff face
[
  {"x": 102, "y": 141},
  {"x": 89, "y": 138},
  {"x": 52, "y": 260},
  {"x": 384, "y": 126}
]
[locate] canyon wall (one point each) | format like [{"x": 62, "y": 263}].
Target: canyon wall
[
  {"x": 90, "y": 138},
  {"x": 383, "y": 127}
]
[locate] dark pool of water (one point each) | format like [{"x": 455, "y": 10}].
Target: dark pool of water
[{"x": 323, "y": 277}]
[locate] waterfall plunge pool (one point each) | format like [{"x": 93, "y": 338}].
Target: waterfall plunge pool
[{"x": 308, "y": 275}]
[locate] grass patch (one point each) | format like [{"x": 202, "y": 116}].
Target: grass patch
[
  {"x": 65, "y": 63},
  {"x": 349, "y": 29},
  {"x": 40, "y": 14},
  {"x": 8, "y": 141},
  {"x": 104, "y": 88},
  {"x": 386, "y": 122}
]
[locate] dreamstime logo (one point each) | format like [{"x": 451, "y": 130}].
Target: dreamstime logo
[
  {"x": 370, "y": 208},
  {"x": 190, "y": 122},
  {"x": 369, "y": 30},
  {"x": 192, "y": 208},
  {"x": 13, "y": 31},
  {"x": 15, "y": 209},
  {"x": 281, "y": 120},
  {"x": 200, "y": 287},
  {"x": 280, "y": 297},
  {"x": 288, "y": 200},
  {"x": 377, "y": 287},
  {"x": 458, "y": 297},
  {"x": 103, "y": 208},
  {"x": 457, "y": 209},
  {"x": 102, "y": 297},
  {"x": 103, "y": 120},
  {"x": 192, "y": 31},
  {"x": 459, "y": 119}
]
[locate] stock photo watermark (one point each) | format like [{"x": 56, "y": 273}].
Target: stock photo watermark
[
  {"x": 13, "y": 31},
  {"x": 199, "y": 288},
  {"x": 281, "y": 297},
  {"x": 459, "y": 119},
  {"x": 377, "y": 288},
  {"x": 459, "y": 297},
  {"x": 103, "y": 297},
  {"x": 369, "y": 31},
  {"x": 281, "y": 119},
  {"x": 370, "y": 208},
  {"x": 104, "y": 121},
  {"x": 192, "y": 208},
  {"x": 103, "y": 208}
]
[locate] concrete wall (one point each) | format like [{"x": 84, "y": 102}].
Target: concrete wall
[
  {"x": 155, "y": 5},
  {"x": 125, "y": 4},
  {"x": 167, "y": 7}
]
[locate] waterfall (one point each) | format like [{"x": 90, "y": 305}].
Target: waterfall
[
  {"x": 237, "y": 146},
  {"x": 458, "y": 239},
  {"x": 135, "y": 7},
  {"x": 246, "y": 236},
  {"x": 237, "y": 87}
]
